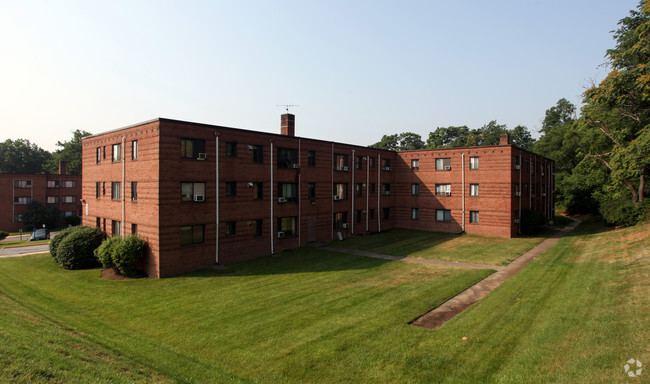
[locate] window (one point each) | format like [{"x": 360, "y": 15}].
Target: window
[
  {"x": 340, "y": 190},
  {"x": 192, "y": 234},
  {"x": 473, "y": 216},
  {"x": 258, "y": 154},
  {"x": 115, "y": 227},
  {"x": 117, "y": 152},
  {"x": 415, "y": 189},
  {"x": 415, "y": 164},
  {"x": 516, "y": 189},
  {"x": 52, "y": 199},
  {"x": 386, "y": 213},
  {"x": 532, "y": 190},
  {"x": 98, "y": 222},
  {"x": 103, "y": 188},
  {"x": 69, "y": 213},
  {"x": 287, "y": 225},
  {"x": 22, "y": 183},
  {"x": 443, "y": 164},
  {"x": 231, "y": 188},
  {"x": 443, "y": 189},
  {"x": 311, "y": 158},
  {"x": 359, "y": 189},
  {"x": 288, "y": 190},
  {"x": 257, "y": 227},
  {"x": 53, "y": 183},
  {"x": 258, "y": 191},
  {"x": 532, "y": 167},
  {"x": 98, "y": 155},
  {"x": 415, "y": 213},
  {"x": 385, "y": 188},
  {"x": 231, "y": 149},
  {"x": 287, "y": 157},
  {"x": 18, "y": 217},
  {"x": 371, "y": 213},
  {"x": 69, "y": 184},
  {"x": 372, "y": 162},
  {"x": 134, "y": 229},
  {"x": 231, "y": 228},
  {"x": 69, "y": 199},
  {"x": 386, "y": 166},
  {"x": 22, "y": 200},
  {"x": 515, "y": 161},
  {"x": 473, "y": 189},
  {"x": 443, "y": 215},
  {"x": 116, "y": 188},
  {"x": 190, "y": 148},
  {"x": 473, "y": 163},
  {"x": 193, "y": 191},
  {"x": 134, "y": 150},
  {"x": 372, "y": 187},
  {"x": 311, "y": 190},
  {"x": 359, "y": 215},
  {"x": 340, "y": 220},
  {"x": 359, "y": 163},
  {"x": 104, "y": 155},
  {"x": 340, "y": 162},
  {"x": 134, "y": 191}
]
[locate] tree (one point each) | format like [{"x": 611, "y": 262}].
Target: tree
[
  {"x": 400, "y": 142},
  {"x": 389, "y": 142},
  {"x": 21, "y": 156},
  {"x": 490, "y": 133},
  {"x": 616, "y": 114},
  {"x": 521, "y": 137},
  {"x": 37, "y": 215},
  {"x": 449, "y": 137},
  {"x": 70, "y": 152}
]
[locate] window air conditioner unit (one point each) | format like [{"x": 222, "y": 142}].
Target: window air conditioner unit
[
  {"x": 387, "y": 193},
  {"x": 517, "y": 166},
  {"x": 251, "y": 185},
  {"x": 337, "y": 197},
  {"x": 386, "y": 168},
  {"x": 448, "y": 193},
  {"x": 282, "y": 199},
  {"x": 295, "y": 165},
  {"x": 516, "y": 221},
  {"x": 251, "y": 147},
  {"x": 345, "y": 168},
  {"x": 543, "y": 194},
  {"x": 199, "y": 198},
  {"x": 517, "y": 193},
  {"x": 447, "y": 168},
  {"x": 202, "y": 156},
  {"x": 280, "y": 235},
  {"x": 344, "y": 225},
  {"x": 365, "y": 158}
]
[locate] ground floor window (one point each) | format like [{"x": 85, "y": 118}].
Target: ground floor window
[
  {"x": 18, "y": 217},
  {"x": 287, "y": 225},
  {"x": 415, "y": 213},
  {"x": 257, "y": 227},
  {"x": 192, "y": 234},
  {"x": 134, "y": 229},
  {"x": 443, "y": 215},
  {"x": 115, "y": 227},
  {"x": 340, "y": 220},
  {"x": 473, "y": 216},
  {"x": 386, "y": 213},
  {"x": 231, "y": 228}
]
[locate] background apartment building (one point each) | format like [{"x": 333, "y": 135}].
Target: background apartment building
[
  {"x": 204, "y": 194},
  {"x": 17, "y": 191}
]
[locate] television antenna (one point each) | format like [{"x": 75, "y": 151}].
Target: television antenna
[{"x": 287, "y": 106}]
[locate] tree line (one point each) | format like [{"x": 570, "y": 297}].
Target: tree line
[{"x": 601, "y": 155}]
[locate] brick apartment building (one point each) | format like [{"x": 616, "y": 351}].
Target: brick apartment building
[
  {"x": 204, "y": 194},
  {"x": 17, "y": 191}
]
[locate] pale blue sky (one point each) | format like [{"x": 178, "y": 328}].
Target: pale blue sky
[{"x": 358, "y": 69}]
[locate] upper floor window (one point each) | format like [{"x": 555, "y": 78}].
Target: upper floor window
[
  {"x": 98, "y": 155},
  {"x": 359, "y": 189},
  {"x": 231, "y": 188},
  {"x": 473, "y": 163},
  {"x": 193, "y": 148},
  {"x": 117, "y": 152},
  {"x": 415, "y": 164},
  {"x": 372, "y": 162},
  {"x": 443, "y": 189},
  {"x": 311, "y": 158},
  {"x": 443, "y": 164},
  {"x": 231, "y": 149},
  {"x": 98, "y": 189},
  {"x": 288, "y": 191},
  {"x": 258, "y": 154},
  {"x": 340, "y": 162},
  {"x": 311, "y": 190},
  {"x": 22, "y": 183},
  {"x": 69, "y": 199},
  {"x": 359, "y": 163},
  {"x": 287, "y": 157},
  {"x": 22, "y": 200},
  {"x": 52, "y": 199},
  {"x": 258, "y": 191},
  {"x": 473, "y": 189},
  {"x": 415, "y": 189},
  {"x": 53, "y": 183},
  {"x": 116, "y": 190},
  {"x": 340, "y": 191},
  {"x": 386, "y": 189},
  {"x": 193, "y": 191},
  {"x": 69, "y": 184},
  {"x": 134, "y": 191},
  {"x": 134, "y": 150},
  {"x": 386, "y": 166}
]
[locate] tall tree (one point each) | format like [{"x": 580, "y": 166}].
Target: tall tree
[
  {"x": 22, "y": 156},
  {"x": 389, "y": 142},
  {"x": 410, "y": 140},
  {"x": 490, "y": 133},
  {"x": 617, "y": 111},
  {"x": 562, "y": 113},
  {"x": 521, "y": 137},
  {"x": 449, "y": 137},
  {"x": 70, "y": 152}
]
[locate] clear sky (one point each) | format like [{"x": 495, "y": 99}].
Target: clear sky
[{"x": 357, "y": 69}]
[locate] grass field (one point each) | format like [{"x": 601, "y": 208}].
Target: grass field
[{"x": 575, "y": 314}]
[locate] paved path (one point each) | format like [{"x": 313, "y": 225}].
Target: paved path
[{"x": 22, "y": 251}]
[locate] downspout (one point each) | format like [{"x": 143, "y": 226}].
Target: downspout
[
  {"x": 123, "y": 153},
  {"x": 530, "y": 184},
  {"x": 462, "y": 168},
  {"x": 216, "y": 179},
  {"x": 332, "y": 199},
  {"x": 353, "y": 193},
  {"x": 367, "y": 188},
  {"x": 272, "y": 217},
  {"x": 299, "y": 195},
  {"x": 379, "y": 192},
  {"x": 521, "y": 165}
]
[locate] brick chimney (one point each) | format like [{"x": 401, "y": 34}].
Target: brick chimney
[
  {"x": 504, "y": 140},
  {"x": 288, "y": 125},
  {"x": 62, "y": 167}
]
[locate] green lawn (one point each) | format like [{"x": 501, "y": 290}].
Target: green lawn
[
  {"x": 443, "y": 246},
  {"x": 575, "y": 314}
]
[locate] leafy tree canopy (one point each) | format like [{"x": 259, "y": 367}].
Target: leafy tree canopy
[
  {"x": 403, "y": 141},
  {"x": 70, "y": 152},
  {"x": 21, "y": 156},
  {"x": 37, "y": 215}
]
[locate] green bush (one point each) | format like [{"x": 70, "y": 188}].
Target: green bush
[
  {"x": 105, "y": 252},
  {"x": 623, "y": 212},
  {"x": 54, "y": 243},
  {"x": 531, "y": 221},
  {"x": 76, "y": 250},
  {"x": 127, "y": 253},
  {"x": 72, "y": 220},
  {"x": 3, "y": 235}
]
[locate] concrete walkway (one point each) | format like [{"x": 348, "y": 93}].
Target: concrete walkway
[
  {"x": 23, "y": 251},
  {"x": 471, "y": 295}
]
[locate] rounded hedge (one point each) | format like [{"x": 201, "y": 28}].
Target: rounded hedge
[
  {"x": 105, "y": 252},
  {"x": 54, "y": 243},
  {"x": 76, "y": 250},
  {"x": 127, "y": 253}
]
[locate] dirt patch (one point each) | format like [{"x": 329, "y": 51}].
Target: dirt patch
[{"x": 110, "y": 274}]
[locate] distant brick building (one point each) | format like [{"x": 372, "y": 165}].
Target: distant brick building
[
  {"x": 18, "y": 190},
  {"x": 204, "y": 194}
]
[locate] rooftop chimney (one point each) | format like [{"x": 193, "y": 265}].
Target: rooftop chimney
[
  {"x": 288, "y": 125},
  {"x": 504, "y": 140},
  {"x": 62, "y": 167}
]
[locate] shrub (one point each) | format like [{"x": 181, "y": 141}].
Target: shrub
[
  {"x": 622, "y": 212},
  {"x": 72, "y": 220},
  {"x": 54, "y": 243},
  {"x": 105, "y": 252},
  {"x": 531, "y": 221},
  {"x": 3, "y": 235},
  {"x": 127, "y": 253},
  {"x": 76, "y": 250}
]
